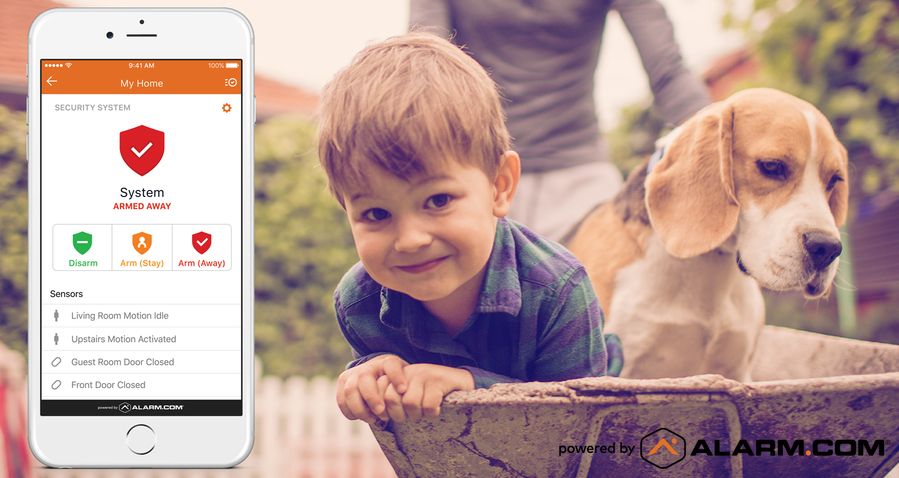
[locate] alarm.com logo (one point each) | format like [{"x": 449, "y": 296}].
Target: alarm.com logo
[
  {"x": 142, "y": 148},
  {"x": 663, "y": 448}
]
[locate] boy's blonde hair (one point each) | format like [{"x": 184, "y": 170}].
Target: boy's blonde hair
[{"x": 404, "y": 104}]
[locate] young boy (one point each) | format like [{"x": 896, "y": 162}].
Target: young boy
[{"x": 449, "y": 295}]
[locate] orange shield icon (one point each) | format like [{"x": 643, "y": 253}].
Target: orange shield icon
[{"x": 142, "y": 242}]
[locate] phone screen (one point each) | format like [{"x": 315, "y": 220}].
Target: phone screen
[{"x": 140, "y": 232}]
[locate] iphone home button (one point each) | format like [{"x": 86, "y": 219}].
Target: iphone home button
[{"x": 141, "y": 439}]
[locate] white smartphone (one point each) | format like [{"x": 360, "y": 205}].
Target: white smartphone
[{"x": 141, "y": 237}]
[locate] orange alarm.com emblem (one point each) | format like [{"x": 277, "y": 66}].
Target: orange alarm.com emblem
[
  {"x": 663, "y": 448},
  {"x": 142, "y": 242},
  {"x": 664, "y": 443}
]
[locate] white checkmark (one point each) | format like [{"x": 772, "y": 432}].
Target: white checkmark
[
  {"x": 203, "y": 242},
  {"x": 141, "y": 152}
]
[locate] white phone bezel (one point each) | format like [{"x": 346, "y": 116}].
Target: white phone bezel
[{"x": 189, "y": 33}]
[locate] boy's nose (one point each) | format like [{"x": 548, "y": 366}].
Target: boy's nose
[{"x": 411, "y": 237}]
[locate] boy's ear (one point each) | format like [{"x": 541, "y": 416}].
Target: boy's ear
[{"x": 505, "y": 183}]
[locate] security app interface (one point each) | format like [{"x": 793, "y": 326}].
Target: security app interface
[{"x": 140, "y": 229}]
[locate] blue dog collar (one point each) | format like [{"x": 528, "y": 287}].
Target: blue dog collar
[{"x": 654, "y": 159}]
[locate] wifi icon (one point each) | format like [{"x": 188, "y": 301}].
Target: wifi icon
[{"x": 68, "y": 65}]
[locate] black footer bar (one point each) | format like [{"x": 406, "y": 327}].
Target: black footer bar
[{"x": 141, "y": 407}]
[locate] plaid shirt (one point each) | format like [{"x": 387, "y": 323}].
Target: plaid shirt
[{"x": 537, "y": 318}]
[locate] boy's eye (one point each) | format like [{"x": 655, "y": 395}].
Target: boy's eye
[
  {"x": 375, "y": 214},
  {"x": 438, "y": 201}
]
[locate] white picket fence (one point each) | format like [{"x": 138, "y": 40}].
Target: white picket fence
[{"x": 300, "y": 433}]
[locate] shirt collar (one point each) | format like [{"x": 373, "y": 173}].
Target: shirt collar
[
  {"x": 500, "y": 292},
  {"x": 422, "y": 329},
  {"x": 391, "y": 313}
]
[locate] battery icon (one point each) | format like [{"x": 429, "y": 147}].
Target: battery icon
[{"x": 232, "y": 65}]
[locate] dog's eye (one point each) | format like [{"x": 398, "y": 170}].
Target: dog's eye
[
  {"x": 774, "y": 169},
  {"x": 833, "y": 182}
]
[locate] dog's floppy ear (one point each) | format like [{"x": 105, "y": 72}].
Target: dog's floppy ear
[{"x": 690, "y": 194}]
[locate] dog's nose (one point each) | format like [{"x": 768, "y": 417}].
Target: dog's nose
[{"x": 822, "y": 248}]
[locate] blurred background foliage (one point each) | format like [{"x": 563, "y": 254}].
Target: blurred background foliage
[
  {"x": 633, "y": 139},
  {"x": 303, "y": 248},
  {"x": 13, "y": 230}
]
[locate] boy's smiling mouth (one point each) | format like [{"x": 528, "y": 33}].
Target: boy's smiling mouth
[{"x": 422, "y": 266}]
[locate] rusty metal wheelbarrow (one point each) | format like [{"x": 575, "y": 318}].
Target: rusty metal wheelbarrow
[{"x": 820, "y": 406}]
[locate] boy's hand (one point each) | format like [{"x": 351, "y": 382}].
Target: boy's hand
[
  {"x": 358, "y": 393},
  {"x": 427, "y": 385}
]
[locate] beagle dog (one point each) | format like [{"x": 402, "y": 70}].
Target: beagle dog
[{"x": 751, "y": 191}]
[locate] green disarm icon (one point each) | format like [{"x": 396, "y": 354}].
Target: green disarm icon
[{"x": 82, "y": 242}]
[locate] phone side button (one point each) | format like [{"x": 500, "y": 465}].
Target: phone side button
[{"x": 141, "y": 439}]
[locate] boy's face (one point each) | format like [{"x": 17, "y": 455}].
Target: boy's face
[{"x": 429, "y": 236}]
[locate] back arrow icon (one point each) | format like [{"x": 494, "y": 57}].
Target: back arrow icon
[{"x": 50, "y": 81}]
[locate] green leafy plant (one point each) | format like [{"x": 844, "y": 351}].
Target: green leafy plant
[
  {"x": 13, "y": 231},
  {"x": 303, "y": 248}
]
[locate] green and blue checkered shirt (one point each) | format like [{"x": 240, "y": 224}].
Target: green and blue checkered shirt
[{"x": 537, "y": 318}]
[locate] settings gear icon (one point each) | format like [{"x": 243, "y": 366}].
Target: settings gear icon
[{"x": 226, "y": 107}]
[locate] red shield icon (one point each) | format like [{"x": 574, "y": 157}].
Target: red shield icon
[
  {"x": 201, "y": 241},
  {"x": 142, "y": 148}
]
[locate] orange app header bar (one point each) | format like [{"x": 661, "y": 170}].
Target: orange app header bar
[{"x": 140, "y": 77}]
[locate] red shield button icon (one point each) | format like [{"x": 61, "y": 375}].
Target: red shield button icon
[
  {"x": 201, "y": 241},
  {"x": 142, "y": 148}
]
